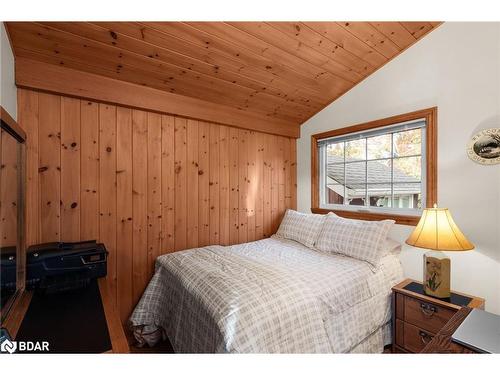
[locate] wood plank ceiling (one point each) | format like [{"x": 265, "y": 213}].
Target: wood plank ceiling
[{"x": 283, "y": 70}]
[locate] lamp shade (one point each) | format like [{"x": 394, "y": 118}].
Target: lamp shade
[{"x": 437, "y": 230}]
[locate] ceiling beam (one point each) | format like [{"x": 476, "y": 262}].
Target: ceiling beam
[{"x": 53, "y": 78}]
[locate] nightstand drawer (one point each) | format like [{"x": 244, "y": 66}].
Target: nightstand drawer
[
  {"x": 417, "y": 317},
  {"x": 415, "y": 338},
  {"x": 426, "y": 315}
]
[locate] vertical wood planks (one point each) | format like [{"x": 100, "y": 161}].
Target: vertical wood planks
[
  {"x": 214, "y": 184},
  {"x": 275, "y": 165},
  {"x": 70, "y": 169},
  {"x": 167, "y": 183},
  {"x": 28, "y": 117},
  {"x": 293, "y": 173},
  {"x": 224, "y": 140},
  {"x": 147, "y": 184},
  {"x": 124, "y": 213},
  {"x": 281, "y": 160},
  {"x": 234, "y": 213},
  {"x": 259, "y": 183},
  {"x": 267, "y": 187},
  {"x": 192, "y": 184},
  {"x": 107, "y": 189},
  {"x": 8, "y": 190},
  {"x": 139, "y": 201},
  {"x": 180, "y": 183},
  {"x": 154, "y": 189},
  {"x": 49, "y": 167},
  {"x": 288, "y": 174},
  {"x": 243, "y": 185},
  {"x": 251, "y": 185},
  {"x": 89, "y": 170},
  {"x": 203, "y": 183}
]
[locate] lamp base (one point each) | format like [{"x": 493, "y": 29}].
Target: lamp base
[{"x": 437, "y": 274}]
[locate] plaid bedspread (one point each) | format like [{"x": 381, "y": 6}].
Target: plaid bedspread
[{"x": 268, "y": 296}]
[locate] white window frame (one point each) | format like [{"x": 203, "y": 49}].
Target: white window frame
[{"x": 393, "y": 128}]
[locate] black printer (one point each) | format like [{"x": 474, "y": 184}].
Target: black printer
[
  {"x": 8, "y": 268},
  {"x": 60, "y": 266}
]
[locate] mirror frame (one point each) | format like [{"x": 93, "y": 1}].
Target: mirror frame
[{"x": 11, "y": 127}]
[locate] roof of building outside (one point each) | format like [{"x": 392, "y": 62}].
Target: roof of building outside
[{"x": 378, "y": 173}]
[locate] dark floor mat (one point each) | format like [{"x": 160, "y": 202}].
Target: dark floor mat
[{"x": 72, "y": 322}]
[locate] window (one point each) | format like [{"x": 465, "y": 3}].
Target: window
[{"x": 382, "y": 169}]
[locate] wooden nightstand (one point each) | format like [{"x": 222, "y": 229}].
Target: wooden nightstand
[{"x": 417, "y": 318}]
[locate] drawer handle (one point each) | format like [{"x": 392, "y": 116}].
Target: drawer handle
[
  {"x": 428, "y": 309},
  {"x": 425, "y": 337}
]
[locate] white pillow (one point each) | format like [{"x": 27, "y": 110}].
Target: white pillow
[
  {"x": 391, "y": 247},
  {"x": 300, "y": 227},
  {"x": 358, "y": 239}
]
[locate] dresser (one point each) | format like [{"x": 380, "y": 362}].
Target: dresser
[{"x": 417, "y": 317}]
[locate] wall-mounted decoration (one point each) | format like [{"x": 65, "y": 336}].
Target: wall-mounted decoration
[{"x": 484, "y": 147}]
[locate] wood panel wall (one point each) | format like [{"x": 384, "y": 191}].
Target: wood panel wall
[
  {"x": 8, "y": 189},
  {"x": 147, "y": 184}
]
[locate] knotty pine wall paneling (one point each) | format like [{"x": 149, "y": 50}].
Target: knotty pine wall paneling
[
  {"x": 146, "y": 184},
  {"x": 89, "y": 167},
  {"x": 139, "y": 203},
  {"x": 167, "y": 183},
  {"x": 224, "y": 199},
  {"x": 49, "y": 167},
  {"x": 107, "y": 187},
  {"x": 8, "y": 189},
  {"x": 154, "y": 190},
  {"x": 214, "y": 183},
  {"x": 203, "y": 184},
  {"x": 124, "y": 208}
]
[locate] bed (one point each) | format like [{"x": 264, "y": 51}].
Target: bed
[{"x": 269, "y": 296}]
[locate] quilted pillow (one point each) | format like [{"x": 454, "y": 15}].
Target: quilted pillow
[
  {"x": 358, "y": 239},
  {"x": 300, "y": 227},
  {"x": 391, "y": 247}
]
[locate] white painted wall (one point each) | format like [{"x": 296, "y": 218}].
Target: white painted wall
[
  {"x": 457, "y": 68},
  {"x": 8, "y": 91}
]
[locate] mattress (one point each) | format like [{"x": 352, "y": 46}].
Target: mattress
[{"x": 268, "y": 296}]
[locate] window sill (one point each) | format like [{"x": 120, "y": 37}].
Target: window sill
[{"x": 371, "y": 216}]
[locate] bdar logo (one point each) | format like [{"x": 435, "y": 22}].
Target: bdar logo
[{"x": 8, "y": 346}]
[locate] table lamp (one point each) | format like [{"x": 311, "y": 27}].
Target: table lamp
[{"x": 436, "y": 230}]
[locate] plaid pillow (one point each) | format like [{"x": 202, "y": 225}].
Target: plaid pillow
[
  {"x": 300, "y": 227},
  {"x": 391, "y": 247},
  {"x": 358, "y": 239}
]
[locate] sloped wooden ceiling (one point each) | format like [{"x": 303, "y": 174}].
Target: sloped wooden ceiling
[{"x": 286, "y": 71}]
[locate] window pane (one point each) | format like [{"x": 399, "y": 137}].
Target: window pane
[
  {"x": 355, "y": 173},
  {"x": 379, "y": 147},
  {"x": 335, "y": 152},
  {"x": 355, "y": 150},
  {"x": 355, "y": 183},
  {"x": 379, "y": 171},
  {"x": 407, "y": 195},
  {"x": 408, "y": 143},
  {"x": 408, "y": 169},
  {"x": 335, "y": 174},
  {"x": 335, "y": 194},
  {"x": 379, "y": 195},
  {"x": 356, "y": 195}
]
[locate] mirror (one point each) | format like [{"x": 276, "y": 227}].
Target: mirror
[{"x": 11, "y": 212}]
